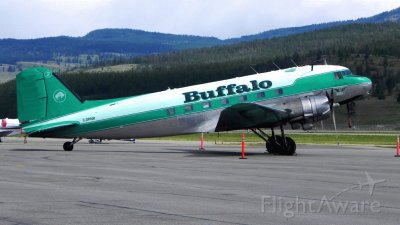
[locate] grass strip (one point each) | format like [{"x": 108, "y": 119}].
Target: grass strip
[{"x": 300, "y": 138}]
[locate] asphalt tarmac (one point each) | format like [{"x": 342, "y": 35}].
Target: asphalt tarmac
[{"x": 175, "y": 183}]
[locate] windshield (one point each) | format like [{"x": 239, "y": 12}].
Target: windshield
[{"x": 343, "y": 73}]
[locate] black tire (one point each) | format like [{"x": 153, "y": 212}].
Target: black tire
[
  {"x": 273, "y": 146},
  {"x": 68, "y": 146},
  {"x": 277, "y": 146},
  {"x": 291, "y": 147}
]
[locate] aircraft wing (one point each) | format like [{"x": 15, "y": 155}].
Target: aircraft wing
[
  {"x": 250, "y": 115},
  {"x": 4, "y": 133}
]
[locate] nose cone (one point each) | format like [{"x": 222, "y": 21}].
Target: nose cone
[
  {"x": 361, "y": 88},
  {"x": 367, "y": 85}
]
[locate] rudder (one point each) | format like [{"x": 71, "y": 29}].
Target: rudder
[{"x": 41, "y": 95}]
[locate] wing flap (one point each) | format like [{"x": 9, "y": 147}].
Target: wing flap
[{"x": 250, "y": 115}]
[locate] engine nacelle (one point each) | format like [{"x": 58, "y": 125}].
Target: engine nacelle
[
  {"x": 307, "y": 110},
  {"x": 316, "y": 108}
]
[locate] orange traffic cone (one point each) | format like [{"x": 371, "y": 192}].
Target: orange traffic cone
[
  {"x": 201, "y": 142},
  {"x": 243, "y": 148},
  {"x": 398, "y": 147}
]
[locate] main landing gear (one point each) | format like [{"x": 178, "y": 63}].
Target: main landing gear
[
  {"x": 275, "y": 144},
  {"x": 69, "y": 146}
]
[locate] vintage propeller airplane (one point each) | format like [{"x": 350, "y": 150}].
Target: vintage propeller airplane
[
  {"x": 9, "y": 127},
  {"x": 299, "y": 96}
]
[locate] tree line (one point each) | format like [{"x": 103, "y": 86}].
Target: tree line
[{"x": 367, "y": 49}]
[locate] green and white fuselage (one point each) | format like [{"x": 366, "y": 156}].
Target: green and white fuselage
[{"x": 47, "y": 108}]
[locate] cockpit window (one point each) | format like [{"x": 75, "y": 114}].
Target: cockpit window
[
  {"x": 346, "y": 72},
  {"x": 338, "y": 75},
  {"x": 341, "y": 74}
]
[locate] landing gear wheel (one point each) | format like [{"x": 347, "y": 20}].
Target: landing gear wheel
[
  {"x": 68, "y": 146},
  {"x": 290, "y": 148},
  {"x": 273, "y": 148},
  {"x": 273, "y": 145},
  {"x": 277, "y": 146}
]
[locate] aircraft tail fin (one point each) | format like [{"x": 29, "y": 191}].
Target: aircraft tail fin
[{"x": 41, "y": 95}]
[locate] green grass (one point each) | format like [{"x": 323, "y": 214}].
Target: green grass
[{"x": 300, "y": 138}]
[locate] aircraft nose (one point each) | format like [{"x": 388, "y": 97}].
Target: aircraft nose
[{"x": 367, "y": 85}]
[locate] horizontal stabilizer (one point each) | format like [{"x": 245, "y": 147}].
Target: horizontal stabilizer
[
  {"x": 43, "y": 127},
  {"x": 4, "y": 133}
]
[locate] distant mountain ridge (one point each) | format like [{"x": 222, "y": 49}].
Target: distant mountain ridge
[
  {"x": 109, "y": 44},
  {"x": 123, "y": 42},
  {"x": 140, "y": 36},
  {"x": 389, "y": 16}
]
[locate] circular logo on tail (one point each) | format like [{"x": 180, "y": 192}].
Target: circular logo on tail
[
  {"x": 47, "y": 74},
  {"x": 59, "y": 96},
  {"x": 4, "y": 123}
]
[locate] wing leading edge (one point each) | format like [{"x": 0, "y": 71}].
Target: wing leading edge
[{"x": 250, "y": 115}]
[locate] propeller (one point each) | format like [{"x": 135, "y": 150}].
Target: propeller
[
  {"x": 350, "y": 112},
  {"x": 332, "y": 104}
]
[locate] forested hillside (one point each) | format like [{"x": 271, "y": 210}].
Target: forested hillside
[
  {"x": 105, "y": 44},
  {"x": 368, "y": 49},
  {"x": 66, "y": 53}
]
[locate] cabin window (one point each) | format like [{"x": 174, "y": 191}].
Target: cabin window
[
  {"x": 170, "y": 111},
  {"x": 260, "y": 95},
  {"x": 243, "y": 98},
  {"x": 279, "y": 91},
  {"x": 188, "y": 108},
  {"x": 225, "y": 101},
  {"x": 206, "y": 105},
  {"x": 338, "y": 75}
]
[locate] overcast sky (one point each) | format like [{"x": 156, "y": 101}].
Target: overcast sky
[{"x": 219, "y": 18}]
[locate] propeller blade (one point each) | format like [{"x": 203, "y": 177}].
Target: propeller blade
[
  {"x": 350, "y": 112},
  {"x": 330, "y": 98},
  {"x": 334, "y": 119},
  {"x": 334, "y": 125}
]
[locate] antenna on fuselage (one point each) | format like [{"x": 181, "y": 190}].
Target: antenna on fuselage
[
  {"x": 318, "y": 61},
  {"x": 253, "y": 69},
  {"x": 276, "y": 65},
  {"x": 294, "y": 62}
]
